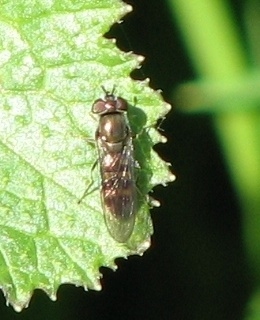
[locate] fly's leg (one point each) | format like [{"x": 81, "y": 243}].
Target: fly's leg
[
  {"x": 150, "y": 201},
  {"x": 92, "y": 142},
  {"x": 86, "y": 192}
]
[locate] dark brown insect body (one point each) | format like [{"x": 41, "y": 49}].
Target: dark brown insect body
[{"x": 115, "y": 147}]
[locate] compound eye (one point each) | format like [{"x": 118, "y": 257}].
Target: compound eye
[
  {"x": 99, "y": 106},
  {"x": 121, "y": 104}
]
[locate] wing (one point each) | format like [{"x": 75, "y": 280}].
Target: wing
[{"x": 118, "y": 191}]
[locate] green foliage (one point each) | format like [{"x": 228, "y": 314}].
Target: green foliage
[
  {"x": 228, "y": 87},
  {"x": 53, "y": 62}
]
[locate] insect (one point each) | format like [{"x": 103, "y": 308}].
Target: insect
[{"x": 117, "y": 165}]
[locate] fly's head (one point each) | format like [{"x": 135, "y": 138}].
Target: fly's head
[{"x": 110, "y": 104}]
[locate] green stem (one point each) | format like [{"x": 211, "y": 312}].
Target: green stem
[{"x": 215, "y": 48}]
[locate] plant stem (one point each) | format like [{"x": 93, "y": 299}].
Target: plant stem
[{"x": 215, "y": 48}]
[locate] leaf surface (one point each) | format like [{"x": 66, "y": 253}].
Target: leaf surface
[{"x": 53, "y": 61}]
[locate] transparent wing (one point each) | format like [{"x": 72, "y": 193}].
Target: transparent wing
[{"x": 118, "y": 191}]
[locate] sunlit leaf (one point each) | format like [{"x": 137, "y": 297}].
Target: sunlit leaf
[{"x": 53, "y": 61}]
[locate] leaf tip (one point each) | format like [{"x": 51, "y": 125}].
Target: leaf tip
[
  {"x": 163, "y": 139},
  {"x": 172, "y": 177},
  {"x": 17, "y": 307},
  {"x": 144, "y": 246},
  {"x": 155, "y": 203},
  {"x": 53, "y": 297},
  {"x": 128, "y": 8},
  {"x": 140, "y": 58},
  {"x": 168, "y": 107}
]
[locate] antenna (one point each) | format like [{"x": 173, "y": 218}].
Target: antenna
[{"x": 107, "y": 93}]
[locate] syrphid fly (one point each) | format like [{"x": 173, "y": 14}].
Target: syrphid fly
[{"x": 117, "y": 165}]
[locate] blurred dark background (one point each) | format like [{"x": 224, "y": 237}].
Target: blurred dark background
[{"x": 195, "y": 268}]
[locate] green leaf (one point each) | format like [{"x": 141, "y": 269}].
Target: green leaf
[{"x": 53, "y": 61}]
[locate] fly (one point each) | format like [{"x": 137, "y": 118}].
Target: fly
[{"x": 117, "y": 165}]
